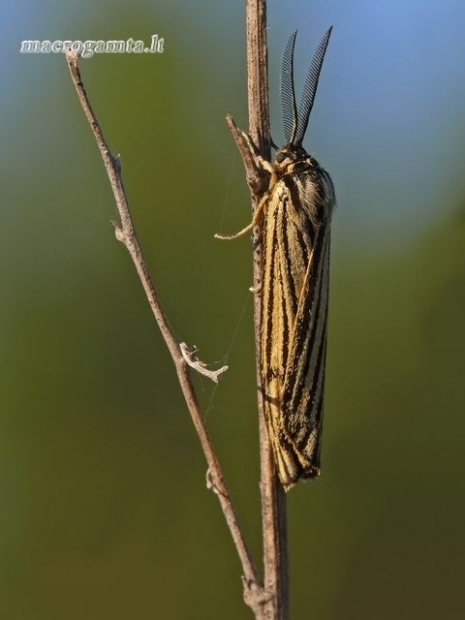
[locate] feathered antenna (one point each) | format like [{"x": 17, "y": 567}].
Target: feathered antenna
[
  {"x": 288, "y": 103},
  {"x": 295, "y": 123}
]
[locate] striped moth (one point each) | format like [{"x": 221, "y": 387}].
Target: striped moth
[{"x": 294, "y": 219}]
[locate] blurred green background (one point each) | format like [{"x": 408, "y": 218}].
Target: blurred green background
[{"x": 104, "y": 510}]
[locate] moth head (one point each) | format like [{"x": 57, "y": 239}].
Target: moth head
[
  {"x": 295, "y": 122},
  {"x": 290, "y": 154}
]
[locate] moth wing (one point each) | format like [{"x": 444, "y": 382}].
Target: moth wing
[{"x": 303, "y": 390}]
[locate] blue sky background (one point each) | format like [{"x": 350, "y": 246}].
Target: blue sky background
[{"x": 388, "y": 121}]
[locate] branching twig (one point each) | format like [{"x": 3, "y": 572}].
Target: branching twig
[
  {"x": 189, "y": 354},
  {"x": 125, "y": 232},
  {"x": 269, "y": 600}
]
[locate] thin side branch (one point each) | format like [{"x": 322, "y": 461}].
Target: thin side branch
[
  {"x": 125, "y": 232},
  {"x": 253, "y": 162}
]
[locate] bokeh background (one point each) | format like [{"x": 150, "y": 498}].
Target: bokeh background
[{"x": 103, "y": 506}]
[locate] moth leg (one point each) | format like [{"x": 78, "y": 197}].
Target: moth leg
[{"x": 257, "y": 218}]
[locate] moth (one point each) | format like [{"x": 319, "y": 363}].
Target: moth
[{"x": 294, "y": 218}]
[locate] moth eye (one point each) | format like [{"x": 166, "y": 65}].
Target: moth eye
[{"x": 280, "y": 157}]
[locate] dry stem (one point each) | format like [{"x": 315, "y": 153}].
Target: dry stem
[
  {"x": 125, "y": 232},
  {"x": 269, "y": 600},
  {"x": 275, "y": 546}
]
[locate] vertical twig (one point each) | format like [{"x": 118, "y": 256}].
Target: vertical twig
[{"x": 275, "y": 554}]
